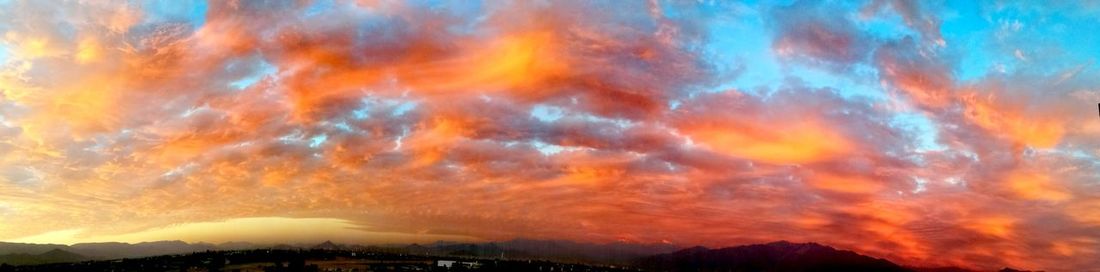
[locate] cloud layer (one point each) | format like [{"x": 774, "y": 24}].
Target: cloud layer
[{"x": 929, "y": 135}]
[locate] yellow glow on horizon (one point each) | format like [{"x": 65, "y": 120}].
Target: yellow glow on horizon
[
  {"x": 264, "y": 230},
  {"x": 52, "y": 237}
]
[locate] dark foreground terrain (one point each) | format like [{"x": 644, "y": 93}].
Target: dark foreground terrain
[
  {"x": 516, "y": 255},
  {"x": 309, "y": 260}
]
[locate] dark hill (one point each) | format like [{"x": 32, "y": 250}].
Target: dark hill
[
  {"x": 941, "y": 269},
  {"x": 328, "y": 245},
  {"x": 12, "y": 248},
  {"x": 124, "y": 250},
  {"x": 776, "y": 256},
  {"x": 52, "y": 256},
  {"x": 61, "y": 255}
]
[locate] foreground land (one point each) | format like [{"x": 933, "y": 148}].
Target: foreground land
[
  {"x": 514, "y": 255},
  {"x": 310, "y": 260}
]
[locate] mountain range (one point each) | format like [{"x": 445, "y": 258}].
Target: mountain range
[
  {"x": 52, "y": 256},
  {"x": 110, "y": 250},
  {"x": 776, "y": 256}
]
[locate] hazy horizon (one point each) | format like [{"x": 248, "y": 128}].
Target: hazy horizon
[
  {"x": 285, "y": 231},
  {"x": 929, "y": 133}
]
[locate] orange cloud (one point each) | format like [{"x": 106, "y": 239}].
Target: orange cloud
[
  {"x": 1006, "y": 120},
  {"x": 796, "y": 142},
  {"x": 1035, "y": 186},
  {"x": 519, "y": 61},
  {"x": 926, "y": 82},
  {"x": 997, "y": 226},
  {"x": 845, "y": 183}
]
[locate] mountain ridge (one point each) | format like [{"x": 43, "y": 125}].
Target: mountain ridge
[
  {"x": 55, "y": 255},
  {"x": 774, "y": 256}
]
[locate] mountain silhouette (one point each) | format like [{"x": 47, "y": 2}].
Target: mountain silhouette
[
  {"x": 108, "y": 250},
  {"x": 328, "y": 245},
  {"x": 1009, "y": 269},
  {"x": 125, "y": 250},
  {"x": 776, "y": 256},
  {"x": 418, "y": 249},
  {"x": 61, "y": 256},
  {"x": 53, "y": 256},
  {"x": 34, "y": 249},
  {"x": 941, "y": 269}
]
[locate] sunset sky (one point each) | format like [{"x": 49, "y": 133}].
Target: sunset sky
[{"x": 925, "y": 132}]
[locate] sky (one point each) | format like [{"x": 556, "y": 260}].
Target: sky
[{"x": 925, "y": 132}]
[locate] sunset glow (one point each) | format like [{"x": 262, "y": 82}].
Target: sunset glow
[{"x": 929, "y": 133}]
